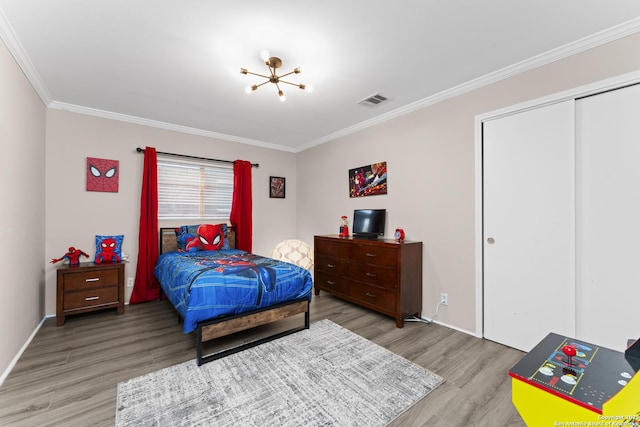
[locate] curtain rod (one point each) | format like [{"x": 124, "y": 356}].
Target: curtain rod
[{"x": 141, "y": 150}]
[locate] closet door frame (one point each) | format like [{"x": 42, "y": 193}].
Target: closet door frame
[{"x": 572, "y": 94}]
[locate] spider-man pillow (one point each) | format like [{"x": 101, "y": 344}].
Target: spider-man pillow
[
  {"x": 202, "y": 237},
  {"x": 108, "y": 249}
]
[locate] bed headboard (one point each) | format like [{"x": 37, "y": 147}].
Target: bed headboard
[{"x": 169, "y": 242}]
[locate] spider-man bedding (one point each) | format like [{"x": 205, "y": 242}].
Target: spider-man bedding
[{"x": 205, "y": 285}]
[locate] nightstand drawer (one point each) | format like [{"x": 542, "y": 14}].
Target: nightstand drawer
[
  {"x": 81, "y": 280},
  {"x": 91, "y": 298},
  {"x": 89, "y": 287}
]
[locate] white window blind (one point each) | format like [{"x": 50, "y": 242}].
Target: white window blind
[{"x": 194, "y": 189}]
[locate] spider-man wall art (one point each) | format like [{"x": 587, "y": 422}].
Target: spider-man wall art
[{"x": 102, "y": 175}]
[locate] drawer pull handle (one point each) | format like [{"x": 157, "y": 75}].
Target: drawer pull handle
[
  {"x": 370, "y": 295},
  {"x": 91, "y": 298},
  {"x": 371, "y": 255},
  {"x": 94, "y": 279},
  {"x": 330, "y": 266},
  {"x": 330, "y": 282},
  {"x": 371, "y": 275}
]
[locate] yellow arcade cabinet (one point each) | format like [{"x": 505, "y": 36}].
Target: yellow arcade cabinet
[{"x": 567, "y": 382}]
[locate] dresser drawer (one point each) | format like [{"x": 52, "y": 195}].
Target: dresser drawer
[
  {"x": 334, "y": 248},
  {"x": 80, "y": 280},
  {"x": 90, "y": 298},
  {"x": 378, "y": 297},
  {"x": 374, "y": 274},
  {"x": 337, "y": 266},
  {"x": 331, "y": 282},
  {"x": 378, "y": 255}
]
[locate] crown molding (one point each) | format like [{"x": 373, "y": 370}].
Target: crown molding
[
  {"x": 15, "y": 47},
  {"x": 586, "y": 43},
  {"x": 17, "y": 51},
  {"x": 163, "y": 125}
]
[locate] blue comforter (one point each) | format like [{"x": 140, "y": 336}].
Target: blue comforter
[{"x": 208, "y": 284}]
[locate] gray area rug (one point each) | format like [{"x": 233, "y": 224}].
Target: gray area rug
[{"x": 323, "y": 376}]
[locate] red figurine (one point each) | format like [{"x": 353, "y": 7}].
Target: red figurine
[{"x": 73, "y": 256}]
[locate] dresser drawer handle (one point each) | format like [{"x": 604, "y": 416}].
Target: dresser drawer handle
[
  {"x": 330, "y": 282},
  {"x": 370, "y": 274},
  {"x": 94, "y": 279},
  {"x": 330, "y": 266},
  {"x": 371, "y": 255},
  {"x": 370, "y": 295},
  {"x": 91, "y": 298}
]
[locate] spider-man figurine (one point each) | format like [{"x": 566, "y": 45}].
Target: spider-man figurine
[
  {"x": 107, "y": 253},
  {"x": 73, "y": 256}
]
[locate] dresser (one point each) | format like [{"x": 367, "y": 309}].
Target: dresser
[
  {"x": 89, "y": 287},
  {"x": 383, "y": 275}
]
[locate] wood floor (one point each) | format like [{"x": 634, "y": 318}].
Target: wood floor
[{"x": 68, "y": 375}]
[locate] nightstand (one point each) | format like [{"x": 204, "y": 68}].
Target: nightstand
[{"x": 89, "y": 287}]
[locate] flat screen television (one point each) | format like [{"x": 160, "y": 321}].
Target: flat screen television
[{"x": 369, "y": 223}]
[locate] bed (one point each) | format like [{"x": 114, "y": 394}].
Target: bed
[{"x": 225, "y": 290}]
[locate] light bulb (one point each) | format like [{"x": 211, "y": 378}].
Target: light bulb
[
  {"x": 264, "y": 54},
  {"x": 248, "y": 89},
  {"x": 308, "y": 88},
  {"x": 282, "y": 97}
]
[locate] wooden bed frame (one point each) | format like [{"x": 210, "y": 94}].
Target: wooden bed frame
[{"x": 226, "y": 325}]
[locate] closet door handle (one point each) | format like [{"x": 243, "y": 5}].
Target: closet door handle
[{"x": 491, "y": 240}]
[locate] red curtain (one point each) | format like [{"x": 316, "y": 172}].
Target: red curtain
[
  {"x": 241, "y": 210},
  {"x": 146, "y": 287}
]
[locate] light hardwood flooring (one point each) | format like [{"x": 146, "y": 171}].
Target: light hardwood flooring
[{"x": 68, "y": 375}]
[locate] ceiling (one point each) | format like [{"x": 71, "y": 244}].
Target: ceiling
[{"x": 176, "y": 64}]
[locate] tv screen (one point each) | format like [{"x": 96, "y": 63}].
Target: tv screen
[{"x": 369, "y": 222}]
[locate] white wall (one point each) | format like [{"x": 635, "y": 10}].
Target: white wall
[
  {"x": 75, "y": 216},
  {"x": 431, "y": 177},
  {"x": 22, "y": 171}
]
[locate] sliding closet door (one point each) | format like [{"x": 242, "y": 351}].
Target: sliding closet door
[
  {"x": 608, "y": 217},
  {"x": 528, "y": 225}
]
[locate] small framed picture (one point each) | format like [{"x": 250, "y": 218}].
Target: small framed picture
[{"x": 276, "y": 187}]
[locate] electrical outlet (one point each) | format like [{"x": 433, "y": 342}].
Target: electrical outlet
[
  {"x": 444, "y": 299},
  {"x": 129, "y": 282}
]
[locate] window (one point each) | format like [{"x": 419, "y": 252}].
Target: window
[{"x": 194, "y": 189}]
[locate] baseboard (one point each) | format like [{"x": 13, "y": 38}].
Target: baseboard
[
  {"x": 446, "y": 325},
  {"x": 7, "y": 371}
]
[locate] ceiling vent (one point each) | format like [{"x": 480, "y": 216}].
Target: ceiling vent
[{"x": 373, "y": 100}]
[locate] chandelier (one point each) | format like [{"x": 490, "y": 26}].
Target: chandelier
[{"x": 273, "y": 63}]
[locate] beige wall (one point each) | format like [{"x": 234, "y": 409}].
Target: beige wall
[
  {"x": 431, "y": 181},
  {"x": 22, "y": 215},
  {"x": 75, "y": 216}
]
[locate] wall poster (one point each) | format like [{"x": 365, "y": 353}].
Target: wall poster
[{"x": 368, "y": 180}]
